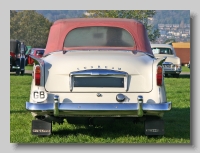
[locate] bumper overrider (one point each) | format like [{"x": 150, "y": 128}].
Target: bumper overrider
[{"x": 98, "y": 109}]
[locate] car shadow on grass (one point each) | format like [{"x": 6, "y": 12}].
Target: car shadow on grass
[
  {"x": 109, "y": 131},
  {"x": 180, "y": 76},
  {"x": 184, "y": 76},
  {"x": 177, "y": 123},
  {"x": 177, "y": 126},
  {"x": 26, "y": 74}
]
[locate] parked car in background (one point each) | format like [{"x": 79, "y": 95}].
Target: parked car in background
[
  {"x": 172, "y": 64},
  {"x": 95, "y": 71},
  {"x": 36, "y": 52},
  {"x": 17, "y": 56}
]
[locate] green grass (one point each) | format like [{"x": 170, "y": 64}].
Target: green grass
[
  {"x": 29, "y": 67},
  {"x": 185, "y": 69},
  {"x": 177, "y": 121}
]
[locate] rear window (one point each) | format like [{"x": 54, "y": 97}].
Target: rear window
[
  {"x": 99, "y": 36},
  {"x": 157, "y": 50}
]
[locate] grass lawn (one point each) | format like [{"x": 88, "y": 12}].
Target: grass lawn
[
  {"x": 29, "y": 67},
  {"x": 177, "y": 121},
  {"x": 185, "y": 69}
]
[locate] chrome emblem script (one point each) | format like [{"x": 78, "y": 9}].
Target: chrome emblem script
[{"x": 99, "y": 67}]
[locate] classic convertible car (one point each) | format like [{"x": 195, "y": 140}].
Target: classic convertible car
[
  {"x": 172, "y": 64},
  {"x": 97, "y": 69}
]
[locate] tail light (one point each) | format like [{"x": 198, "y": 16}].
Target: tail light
[
  {"x": 37, "y": 75},
  {"x": 159, "y": 75}
]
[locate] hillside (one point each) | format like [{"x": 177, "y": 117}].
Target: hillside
[
  {"x": 171, "y": 17},
  {"x": 161, "y": 17}
]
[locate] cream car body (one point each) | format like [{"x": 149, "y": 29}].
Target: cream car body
[
  {"x": 138, "y": 80},
  {"x": 88, "y": 83},
  {"x": 172, "y": 64}
]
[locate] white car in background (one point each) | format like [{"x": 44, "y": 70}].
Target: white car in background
[{"x": 172, "y": 64}]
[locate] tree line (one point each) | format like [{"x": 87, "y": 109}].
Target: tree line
[
  {"x": 30, "y": 27},
  {"x": 33, "y": 27}
]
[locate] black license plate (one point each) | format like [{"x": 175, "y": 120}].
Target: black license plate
[{"x": 99, "y": 82}]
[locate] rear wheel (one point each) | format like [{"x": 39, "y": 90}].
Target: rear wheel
[{"x": 17, "y": 72}]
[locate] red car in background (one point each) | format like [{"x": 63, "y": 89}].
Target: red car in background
[{"x": 37, "y": 52}]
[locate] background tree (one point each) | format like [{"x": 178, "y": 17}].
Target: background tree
[
  {"x": 140, "y": 15},
  {"x": 30, "y": 27},
  {"x": 12, "y": 13}
]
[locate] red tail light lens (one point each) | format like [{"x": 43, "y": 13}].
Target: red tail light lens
[
  {"x": 37, "y": 75},
  {"x": 159, "y": 75}
]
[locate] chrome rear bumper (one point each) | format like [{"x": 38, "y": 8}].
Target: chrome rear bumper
[{"x": 95, "y": 109}]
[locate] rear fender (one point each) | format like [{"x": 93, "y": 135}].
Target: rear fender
[
  {"x": 160, "y": 61},
  {"x": 39, "y": 62},
  {"x": 162, "y": 91}
]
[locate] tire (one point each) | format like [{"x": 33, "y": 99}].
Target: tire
[
  {"x": 17, "y": 72},
  {"x": 22, "y": 72}
]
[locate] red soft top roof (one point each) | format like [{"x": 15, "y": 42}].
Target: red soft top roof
[{"x": 60, "y": 29}]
